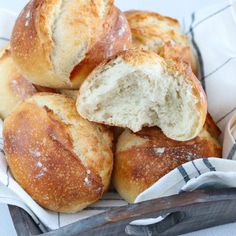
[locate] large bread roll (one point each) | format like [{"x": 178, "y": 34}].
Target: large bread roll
[
  {"x": 139, "y": 88},
  {"x": 143, "y": 158},
  {"x": 162, "y": 34},
  {"x": 63, "y": 161},
  {"x": 58, "y": 43}
]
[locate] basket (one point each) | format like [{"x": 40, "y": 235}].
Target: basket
[{"x": 185, "y": 212}]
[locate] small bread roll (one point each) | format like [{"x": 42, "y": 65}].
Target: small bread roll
[
  {"x": 63, "y": 161},
  {"x": 13, "y": 87},
  {"x": 139, "y": 88},
  {"x": 161, "y": 34},
  {"x": 58, "y": 43},
  {"x": 143, "y": 158}
]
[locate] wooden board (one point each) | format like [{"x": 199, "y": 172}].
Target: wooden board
[{"x": 186, "y": 212}]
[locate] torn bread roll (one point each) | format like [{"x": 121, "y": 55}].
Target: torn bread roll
[
  {"x": 161, "y": 34},
  {"x": 57, "y": 44},
  {"x": 63, "y": 161},
  {"x": 14, "y": 88},
  {"x": 141, "y": 159},
  {"x": 139, "y": 88}
]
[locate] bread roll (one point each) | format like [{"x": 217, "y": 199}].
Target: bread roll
[
  {"x": 13, "y": 87},
  {"x": 63, "y": 161},
  {"x": 143, "y": 158},
  {"x": 58, "y": 43},
  {"x": 162, "y": 34},
  {"x": 139, "y": 88}
]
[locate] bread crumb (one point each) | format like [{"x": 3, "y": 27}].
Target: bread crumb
[
  {"x": 35, "y": 153},
  {"x": 159, "y": 150},
  {"x": 39, "y": 164},
  {"x": 86, "y": 180},
  {"x": 46, "y": 197},
  {"x": 122, "y": 30},
  {"x": 98, "y": 189},
  {"x": 41, "y": 174},
  {"x": 27, "y": 16}
]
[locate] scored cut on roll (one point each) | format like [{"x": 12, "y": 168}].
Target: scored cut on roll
[
  {"x": 138, "y": 88},
  {"x": 58, "y": 43},
  {"x": 161, "y": 34},
  {"x": 142, "y": 158},
  {"x": 62, "y": 160}
]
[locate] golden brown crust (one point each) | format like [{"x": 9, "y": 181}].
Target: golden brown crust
[
  {"x": 63, "y": 161},
  {"x": 162, "y": 34},
  {"x": 211, "y": 126},
  {"x": 143, "y": 158},
  {"x": 51, "y": 37}
]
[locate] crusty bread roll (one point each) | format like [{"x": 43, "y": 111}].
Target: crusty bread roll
[
  {"x": 139, "y": 88},
  {"x": 143, "y": 158},
  {"x": 58, "y": 43},
  {"x": 63, "y": 161},
  {"x": 13, "y": 87},
  {"x": 162, "y": 34}
]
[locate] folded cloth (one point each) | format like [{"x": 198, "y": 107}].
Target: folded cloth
[
  {"x": 213, "y": 33},
  {"x": 229, "y": 146}
]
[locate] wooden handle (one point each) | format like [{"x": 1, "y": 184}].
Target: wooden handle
[{"x": 186, "y": 212}]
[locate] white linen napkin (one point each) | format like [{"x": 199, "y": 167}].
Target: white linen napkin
[{"x": 213, "y": 32}]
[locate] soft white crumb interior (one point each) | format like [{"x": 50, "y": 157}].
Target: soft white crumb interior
[{"x": 139, "y": 96}]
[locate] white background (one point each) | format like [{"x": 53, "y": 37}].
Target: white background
[{"x": 174, "y": 8}]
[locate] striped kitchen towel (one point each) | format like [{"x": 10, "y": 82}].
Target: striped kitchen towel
[{"x": 213, "y": 33}]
